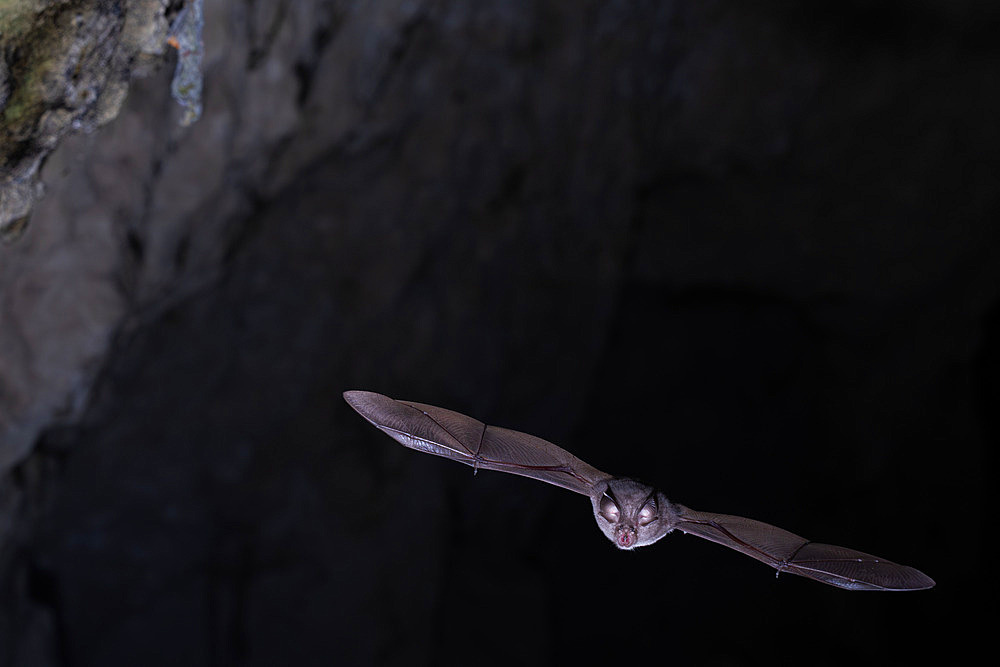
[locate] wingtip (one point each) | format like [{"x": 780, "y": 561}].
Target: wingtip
[
  {"x": 354, "y": 397},
  {"x": 925, "y": 583},
  {"x": 915, "y": 580},
  {"x": 912, "y": 580},
  {"x": 368, "y": 403}
]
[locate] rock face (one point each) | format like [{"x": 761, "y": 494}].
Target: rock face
[
  {"x": 65, "y": 68},
  {"x": 748, "y": 253}
]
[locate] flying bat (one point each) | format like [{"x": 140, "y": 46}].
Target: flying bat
[{"x": 631, "y": 514}]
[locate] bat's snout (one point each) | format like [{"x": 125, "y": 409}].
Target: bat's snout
[{"x": 625, "y": 536}]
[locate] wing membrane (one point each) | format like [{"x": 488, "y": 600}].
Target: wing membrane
[
  {"x": 450, "y": 434},
  {"x": 787, "y": 552}
]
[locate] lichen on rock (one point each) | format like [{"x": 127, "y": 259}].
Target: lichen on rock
[{"x": 64, "y": 67}]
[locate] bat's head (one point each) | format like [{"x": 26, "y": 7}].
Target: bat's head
[{"x": 630, "y": 513}]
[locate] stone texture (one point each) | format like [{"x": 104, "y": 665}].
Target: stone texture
[{"x": 66, "y": 68}]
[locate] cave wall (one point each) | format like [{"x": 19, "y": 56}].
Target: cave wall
[{"x": 746, "y": 253}]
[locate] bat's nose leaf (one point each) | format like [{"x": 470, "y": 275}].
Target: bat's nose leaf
[{"x": 625, "y": 537}]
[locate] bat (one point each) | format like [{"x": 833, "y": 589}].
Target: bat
[{"x": 631, "y": 514}]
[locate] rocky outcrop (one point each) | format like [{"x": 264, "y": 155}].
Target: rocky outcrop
[{"x": 65, "y": 68}]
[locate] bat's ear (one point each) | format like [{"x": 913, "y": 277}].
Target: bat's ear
[{"x": 609, "y": 509}]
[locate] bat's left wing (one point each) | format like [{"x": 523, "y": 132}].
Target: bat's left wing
[
  {"x": 787, "y": 552},
  {"x": 441, "y": 432}
]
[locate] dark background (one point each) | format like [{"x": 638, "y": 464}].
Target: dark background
[{"x": 749, "y": 255}]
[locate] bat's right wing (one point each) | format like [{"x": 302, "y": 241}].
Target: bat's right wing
[
  {"x": 461, "y": 438},
  {"x": 786, "y": 552}
]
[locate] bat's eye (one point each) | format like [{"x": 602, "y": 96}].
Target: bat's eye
[
  {"x": 647, "y": 514},
  {"x": 609, "y": 509}
]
